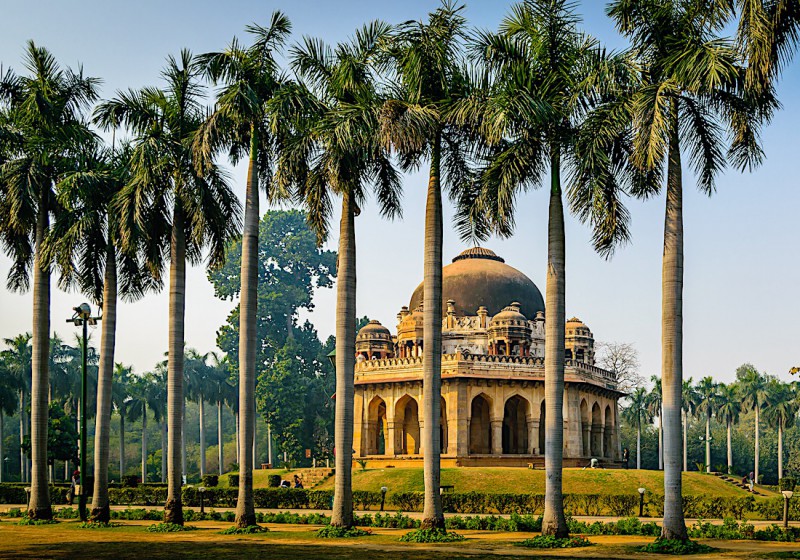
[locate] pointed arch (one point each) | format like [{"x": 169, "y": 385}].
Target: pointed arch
[
  {"x": 480, "y": 428},
  {"x": 515, "y": 425},
  {"x": 407, "y": 435}
]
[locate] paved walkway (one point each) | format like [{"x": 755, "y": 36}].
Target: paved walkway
[{"x": 758, "y": 523}]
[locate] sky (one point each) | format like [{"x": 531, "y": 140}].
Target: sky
[{"x": 741, "y": 264}]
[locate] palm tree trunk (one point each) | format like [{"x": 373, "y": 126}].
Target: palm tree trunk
[
  {"x": 685, "y": 440},
  {"x": 202, "y": 436},
  {"x": 758, "y": 412},
  {"x": 639, "y": 446},
  {"x": 661, "y": 440},
  {"x": 144, "y": 443},
  {"x": 173, "y": 509},
  {"x": 554, "y": 521},
  {"x": 342, "y": 514},
  {"x": 39, "y": 507},
  {"x": 780, "y": 451},
  {"x": 163, "y": 451},
  {"x": 121, "y": 446},
  {"x": 236, "y": 420},
  {"x": 674, "y": 525},
  {"x": 708, "y": 441},
  {"x": 730, "y": 448},
  {"x": 432, "y": 516},
  {"x": 248, "y": 306},
  {"x": 221, "y": 454},
  {"x": 101, "y": 512}
]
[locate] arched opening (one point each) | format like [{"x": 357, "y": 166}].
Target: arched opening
[
  {"x": 607, "y": 447},
  {"x": 597, "y": 431},
  {"x": 407, "y": 418},
  {"x": 567, "y": 354},
  {"x": 542, "y": 430},
  {"x": 480, "y": 428},
  {"x": 579, "y": 355},
  {"x": 515, "y": 426},
  {"x": 377, "y": 426},
  {"x": 586, "y": 429},
  {"x": 443, "y": 435}
]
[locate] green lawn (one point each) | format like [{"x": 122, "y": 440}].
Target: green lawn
[{"x": 519, "y": 480}]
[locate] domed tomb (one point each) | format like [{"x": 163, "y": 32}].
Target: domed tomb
[{"x": 478, "y": 277}]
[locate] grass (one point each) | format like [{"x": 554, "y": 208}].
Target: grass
[{"x": 519, "y": 480}]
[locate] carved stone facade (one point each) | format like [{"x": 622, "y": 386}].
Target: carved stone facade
[{"x": 492, "y": 407}]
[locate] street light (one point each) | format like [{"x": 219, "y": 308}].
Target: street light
[
  {"x": 641, "y": 502},
  {"x": 787, "y": 495},
  {"x": 5, "y": 465},
  {"x": 83, "y": 318},
  {"x": 202, "y": 490},
  {"x": 28, "y": 494},
  {"x": 383, "y": 496}
]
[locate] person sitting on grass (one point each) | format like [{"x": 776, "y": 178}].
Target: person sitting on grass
[
  {"x": 297, "y": 482},
  {"x": 285, "y": 484}
]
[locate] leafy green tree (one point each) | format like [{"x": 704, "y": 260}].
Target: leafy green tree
[
  {"x": 429, "y": 77},
  {"x": 41, "y": 125},
  {"x": 250, "y": 78},
  {"x": 692, "y": 93},
  {"x": 176, "y": 208},
  {"x": 335, "y": 149}
]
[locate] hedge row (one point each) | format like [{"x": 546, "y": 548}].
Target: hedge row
[{"x": 621, "y": 505}]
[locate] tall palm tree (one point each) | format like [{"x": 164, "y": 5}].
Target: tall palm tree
[
  {"x": 637, "y": 413},
  {"x": 175, "y": 209},
  {"x": 689, "y": 404},
  {"x": 84, "y": 242},
  {"x": 692, "y": 92},
  {"x": 9, "y": 389},
  {"x": 729, "y": 407},
  {"x": 18, "y": 357},
  {"x": 753, "y": 392},
  {"x": 708, "y": 397},
  {"x": 121, "y": 387},
  {"x": 429, "y": 77},
  {"x": 198, "y": 387},
  {"x": 334, "y": 149},
  {"x": 249, "y": 77},
  {"x": 655, "y": 406},
  {"x": 547, "y": 74},
  {"x": 220, "y": 393},
  {"x": 41, "y": 123},
  {"x": 781, "y": 413},
  {"x": 158, "y": 405}
]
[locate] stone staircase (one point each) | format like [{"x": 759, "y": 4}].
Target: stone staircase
[
  {"x": 736, "y": 482},
  {"x": 310, "y": 477}
]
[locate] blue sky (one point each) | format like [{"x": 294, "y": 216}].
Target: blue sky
[{"x": 741, "y": 267}]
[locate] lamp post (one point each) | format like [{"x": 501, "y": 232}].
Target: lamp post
[
  {"x": 5, "y": 466},
  {"x": 787, "y": 495},
  {"x": 28, "y": 497},
  {"x": 641, "y": 502},
  {"x": 383, "y": 496},
  {"x": 83, "y": 317},
  {"x": 202, "y": 490}
]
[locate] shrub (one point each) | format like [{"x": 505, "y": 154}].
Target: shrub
[
  {"x": 777, "y": 533},
  {"x": 335, "y": 532},
  {"x": 210, "y": 480},
  {"x": 465, "y": 502},
  {"x": 396, "y": 521},
  {"x": 412, "y": 501},
  {"x": 431, "y": 536},
  {"x": 677, "y": 547},
  {"x": 730, "y": 529},
  {"x": 274, "y": 480},
  {"x": 549, "y": 541},
  {"x": 233, "y": 480},
  {"x": 129, "y": 481},
  {"x": 621, "y": 505},
  {"x": 99, "y": 525},
  {"x": 249, "y": 530},
  {"x": 364, "y": 499},
  {"x": 28, "y": 521},
  {"x": 587, "y": 504},
  {"x": 787, "y": 483},
  {"x": 169, "y": 528}
]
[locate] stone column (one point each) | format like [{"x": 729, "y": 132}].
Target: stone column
[
  {"x": 497, "y": 437},
  {"x": 390, "y": 439},
  {"x": 603, "y": 450},
  {"x": 452, "y": 436},
  {"x": 587, "y": 440},
  {"x": 420, "y": 450},
  {"x": 358, "y": 422},
  {"x": 533, "y": 435}
]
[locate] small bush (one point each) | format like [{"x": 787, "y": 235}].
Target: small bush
[
  {"x": 787, "y": 483},
  {"x": 28, "y": 521},
  {"x": 431, "y": 536},
  {"x": 676, "y": 547},
  {"x": 550, "y": 541},
  {"x": 98, "y": 525},
  {"x": 130, "y": 481},
  {"x": 335, "y": 532},
  {"x": 210, "y": 480},
  {"x": 169, "y": 528},
  {"x": 249, "y": 530},
  {"x": 233, "y": 481},
  {"x": 274, "y": 480},
  {"x": 410, "y": 501}
]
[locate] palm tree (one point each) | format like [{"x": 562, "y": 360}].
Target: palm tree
[
  {"x": 250, "y": 77},
  {"x": 9, "y": 389},
  {"x": 198, "y": 387},
  {"x": 655, "y": 406},
  {"x": 41, "y": 122},
  {"x": 121, "y": 400},
  {"x": 17, "y": 357},
  {"x": 637, "y": 413},
  {"x": 158, "y": 404},
  {"x": 430, "y": 77},
  {"x": 729, "y": 407},
  {"x": 753, "y": 393},
  {"x": 692, "y": 91},
  {"x": 219, "y": 393},
  {"x": 708, "y": 397},
  {"x": 547, "y": 74},
  {"x": 781, "y": 413},
  {"x": 173, "y": 208},
  {"x": 334, "y": 148},
  {"x": 689, "y": 404}
]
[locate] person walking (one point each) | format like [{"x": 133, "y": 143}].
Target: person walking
[
  {"x": 625, "y": 456},
  {"x": 76, "y": 476}
]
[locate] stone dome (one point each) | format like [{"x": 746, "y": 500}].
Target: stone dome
[
  {"x": 510, "y": 314},
  {"x": 478, "y": 277},
  {"x": 373, "y": 328}
]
